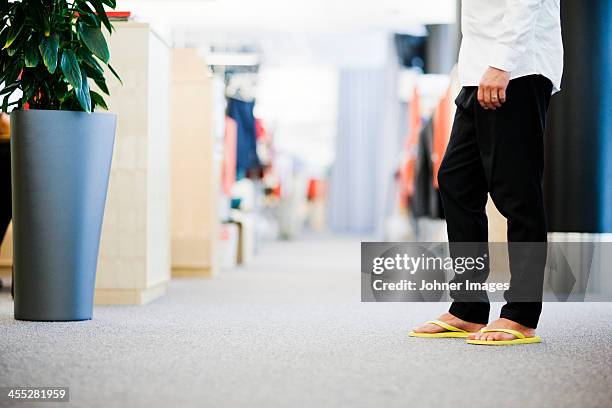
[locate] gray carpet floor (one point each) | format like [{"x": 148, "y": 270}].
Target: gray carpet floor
[{"x": 290, "y": 331}]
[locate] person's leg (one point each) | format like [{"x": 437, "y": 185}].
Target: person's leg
[
  {"x": 511, "y": 146},
  {"x": 463, "y": 189}
]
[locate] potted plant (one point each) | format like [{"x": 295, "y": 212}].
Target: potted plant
[{"x": 52, "y": 51}]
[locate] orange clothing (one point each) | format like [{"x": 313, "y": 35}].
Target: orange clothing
[
  {"x": 406, "y": 172},
  {"x": 441, "y": 133}
]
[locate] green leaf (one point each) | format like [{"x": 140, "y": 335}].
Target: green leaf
[
  {"x": 9, "y": 89},
  {"x": 70, "y": 68},
  {"x": 5, "y": 104},
  {"x": 28, "y": 92},
  {"x": 12, "y": 72},
  {"x": 115, "y": 73},
  {"x": 13, "y": 34},
  {"x": 4, "y": 34},
  {"x": 31, "y": 56},
  {"x": 95, "y": 41},
  {"x": 49, "y": 47},
  {"x": 16, "y": 26},
  {"x": 93, "y": 73},
  {"x": 102, "y": 14},
  {"x": 46, "y": 23},
  {"x": 102, "y": 85},
  {"x": 87, "y": 15},
  {"x": 98, "y": 100},
  {"x": 4, "y": 6},
  {"x": 91, "y": 61},
  {"x": 39, "y": 17},
  {"x": 83, "y": 94}
]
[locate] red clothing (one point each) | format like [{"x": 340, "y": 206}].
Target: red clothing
[{"x": 228, "y": 176}]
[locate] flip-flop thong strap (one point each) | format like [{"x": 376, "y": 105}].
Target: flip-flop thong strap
[
  {"x": 446, "y": 326},
  {"x": 515, "y": 333}
]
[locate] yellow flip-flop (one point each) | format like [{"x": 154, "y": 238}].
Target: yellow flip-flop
[
  {"x": 520, "y": 338},
  {"x": 452, "y": 331}
]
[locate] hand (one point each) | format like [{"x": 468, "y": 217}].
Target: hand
[{"x": 492, "y": 88}]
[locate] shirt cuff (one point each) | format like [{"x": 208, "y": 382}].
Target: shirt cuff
[{"x": 504, "y": 58}]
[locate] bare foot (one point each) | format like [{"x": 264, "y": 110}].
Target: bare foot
[
  {"x": 452, "y": 320},
  {"x": 503, "y": 324}
]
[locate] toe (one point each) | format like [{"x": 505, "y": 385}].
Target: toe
[
  {"x": 418, "y": 329},
  {"x": 426, "y": 328}
]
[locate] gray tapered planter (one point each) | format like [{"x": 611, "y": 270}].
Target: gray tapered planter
[{"x": 60, "y": 168}]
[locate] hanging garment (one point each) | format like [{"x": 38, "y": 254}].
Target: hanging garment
[
  {"x": 441, "y": 133},
  {"x": 406, "y": 172},
  {"x": 264, "y": 144},
  {"x": 420, "y": 198},
  {"x": 425, "y": 201},
  {"x": 246, "y": 146},
  {"x": 260, "y": 131},
  {"x": 228, "y": 176}
]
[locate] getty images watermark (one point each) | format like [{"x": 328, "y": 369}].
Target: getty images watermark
[
  {"x": 413, "y": 264},
  {"x": 439, "y": 271}
]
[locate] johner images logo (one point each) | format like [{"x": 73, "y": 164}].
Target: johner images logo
[{"x": 434, "y": 271}]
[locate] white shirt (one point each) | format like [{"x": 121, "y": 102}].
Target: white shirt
[{"x": 522, "y": 37}]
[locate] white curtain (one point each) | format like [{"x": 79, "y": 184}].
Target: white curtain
[{"x": 366, "y": 148}]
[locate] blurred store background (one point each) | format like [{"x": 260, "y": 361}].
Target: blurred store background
[{"x": 242, "y": 122}]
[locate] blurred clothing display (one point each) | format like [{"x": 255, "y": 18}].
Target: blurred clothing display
[
  {"x": 522, "y": 37},
  {"x": 265, "y": 147},
  {"x": 415, "y": 124},
  {"x": 426, "y": 142},
  {"x": 244, "y": 190},
  {"x": 260, "y": 131},
  {"x": 5, "y": 187},
  {"x": 228, "y": 173},
  {"x": 246, "y": 147},
  {"x": 425, "y": 201},
  {"x": 442, "y": 122},
  {"x": 293, "y": 207}
]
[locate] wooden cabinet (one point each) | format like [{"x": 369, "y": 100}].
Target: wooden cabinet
[
  {"x": 195, "y": 171},
  {"x": 134, "y": 261},
  {"x": 6, "y": 256}
]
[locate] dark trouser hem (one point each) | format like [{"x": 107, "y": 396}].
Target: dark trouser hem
[
  {"x": 525, "y": 313},
  {"x": 471, "y": 312}
]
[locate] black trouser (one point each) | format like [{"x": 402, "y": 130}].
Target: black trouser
[{"x": 498, "y": 152}]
